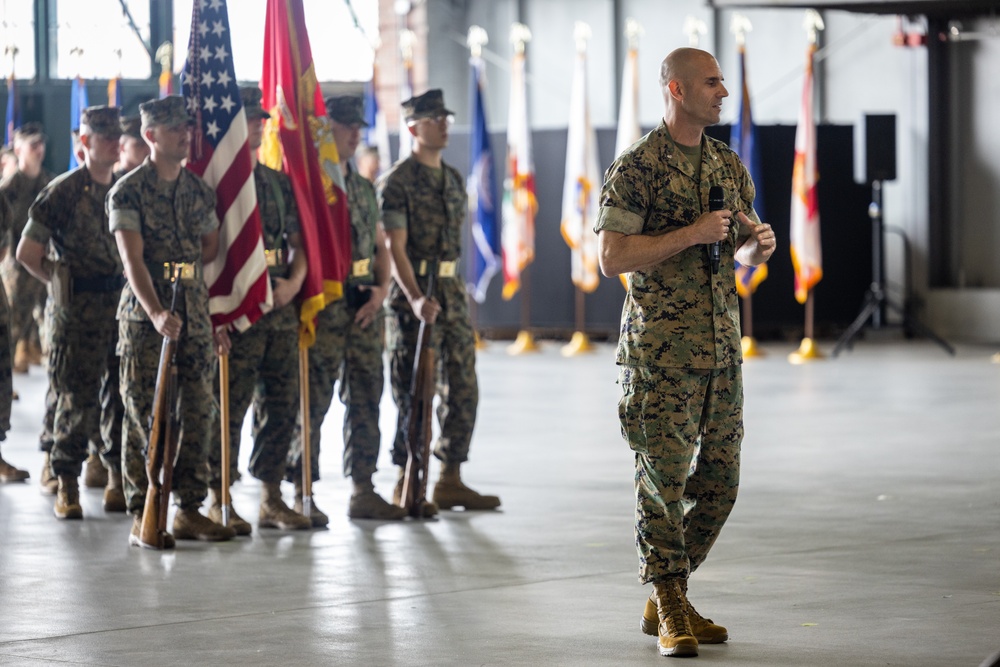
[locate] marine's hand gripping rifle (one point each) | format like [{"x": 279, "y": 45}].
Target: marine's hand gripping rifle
[
  {"x": 418, "y": 422},
  {"x": 164, "y": 432}
]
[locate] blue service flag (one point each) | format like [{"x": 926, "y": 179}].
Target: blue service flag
[
  {"x": 743, "y": 141},
  {"x": 371, "y": 113},
  {"x": 13, "y": 111},
  {"x": 77, "y": 103},
  {"x": 482, "y": 195}
]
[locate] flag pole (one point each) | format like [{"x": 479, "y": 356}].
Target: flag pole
[
  {"x": 574, "y": 225},
  {"x": 525, "y": 343},
  {"x": 808, "y": 350},
  {"x": 224, "y": 464},
  {"x": 306, "y": 464}
]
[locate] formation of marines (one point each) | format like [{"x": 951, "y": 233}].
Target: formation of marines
[{"x": 93, "y": 257}]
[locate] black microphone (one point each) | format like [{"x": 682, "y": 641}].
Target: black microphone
[{"x": 716, "y": 202}]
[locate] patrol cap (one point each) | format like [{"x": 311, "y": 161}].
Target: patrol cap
[
  {"x": 132, "y": 126},
  {"x": 346, "y": 109},
  {"x": 428, "y": 105},
  {"x": 170, "y": 111},
  {"x": 252, "y": 96},
  {"x": 31, "y": 131},
  {"x": 102, "y": 120}
]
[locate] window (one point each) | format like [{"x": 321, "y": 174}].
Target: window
[
  {"x": 340, "y": 50},
  {"x": 17, "y": 29},
  {"x": 95, "y": 40}
]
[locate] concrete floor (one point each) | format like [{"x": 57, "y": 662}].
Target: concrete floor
[{"x": 867, "y": 533}]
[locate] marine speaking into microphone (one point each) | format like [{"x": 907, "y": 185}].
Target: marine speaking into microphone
[{"x": 716, "y": 202}]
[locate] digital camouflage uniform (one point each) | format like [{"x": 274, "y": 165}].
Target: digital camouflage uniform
[
  {"x": 263, "y": 361},
  {"x": 172, "y": 218},
  {"x": 70, "y": 213},
  {"x": 413, "y": 197},
  {"x": 26, "y": 293},
  {"x": 679, "y": 352},
  {"x": 346, "y": 351}
]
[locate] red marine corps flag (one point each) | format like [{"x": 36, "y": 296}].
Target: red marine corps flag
[
  {"x": 299, "y": 138},
  {"x": 238, "y": 284}
]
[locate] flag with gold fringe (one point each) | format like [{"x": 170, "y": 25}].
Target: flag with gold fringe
[
  {"x": 805, "y": 238},
  {"x": 299, "y": 138}
]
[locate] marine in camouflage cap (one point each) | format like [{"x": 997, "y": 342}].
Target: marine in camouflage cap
[
  {"x": 252, "y": 97},
  {"x": 170, "y": 111},
  {"x": 346, "y": 110},
  {"x": 428, "y": 105},
  {"x": 132, "y": 126},
  {"x": 102, "y": 120}
]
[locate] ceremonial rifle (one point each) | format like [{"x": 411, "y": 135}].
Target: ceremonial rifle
[
  {"x": 161, "y": 451},
  {"x": 418, "y": 421}
]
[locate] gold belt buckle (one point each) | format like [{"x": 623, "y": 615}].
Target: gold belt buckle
[
  {"x": 422, "y": 268},
  {"x": 360, "y": 267},
  {"x": 274, "y": 257},
  {"x": 186, "y": 270},
  {"x": 178, "y": 271},
  {"x": 446, "y": 269}
]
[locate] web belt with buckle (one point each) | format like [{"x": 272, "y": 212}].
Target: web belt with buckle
[
  {"x": 183, "y": 270},
  {"x": 445, "y": 268},
  {"x": 361, "y": 268},
  {"x": 276, "y": 257}
]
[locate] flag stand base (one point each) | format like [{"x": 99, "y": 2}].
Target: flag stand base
[
  {"x": 995, "y": 358},
  {"x": 524, "y": 344},
  {"x": 750, "y": 347},
  {"x": 479, "y": 343},
  {"x": 579, "y": 344},
  {"x": 807, "y": 352}
]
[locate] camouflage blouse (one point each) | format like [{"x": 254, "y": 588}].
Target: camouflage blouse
[
  {"x": 172, "y": 218},
  {"x": 413, "y": 197},
  {"x": 70, "y": 212},
  {"x": 677, "y": 314}
]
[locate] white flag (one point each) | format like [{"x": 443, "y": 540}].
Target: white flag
[
  {"x": 582, "y": 186},
  {"x": 519, "y": 204},
  {"x": 807, "y": 257},
  {"x": 628, "y": 110}
]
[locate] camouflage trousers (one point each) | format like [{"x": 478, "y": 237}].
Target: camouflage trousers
[
  {"x": 139, "y": 348},
  {"x": 82, "y": 339},
  {"x": 685, "y": 427},
  {"x": 264, "y": 371},
  {"x": 26, "y": 295},
  {"x": 344, "y": 351},
  {"x": 457, "y": 386},
  {"x": 6, "y": 377}
]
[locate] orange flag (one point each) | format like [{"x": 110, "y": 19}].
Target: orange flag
[{"x": 299, "y": 138}]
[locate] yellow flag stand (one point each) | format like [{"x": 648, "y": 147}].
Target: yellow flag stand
[
  {"x": 525, "y": 341},
  {"x": 579, "y": 343},
  {"x": 995, "y": 358},
  {"x": 808, "y": 351}
]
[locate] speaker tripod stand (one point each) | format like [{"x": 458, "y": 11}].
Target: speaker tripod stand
[{"x": 876, "y": 298}]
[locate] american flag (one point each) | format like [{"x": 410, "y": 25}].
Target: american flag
[{"x": 238, "y": 283}]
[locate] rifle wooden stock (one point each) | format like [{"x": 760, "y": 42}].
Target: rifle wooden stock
[
  {"x": 418, "y": 421},
  {"x": 161, "y": 450}
]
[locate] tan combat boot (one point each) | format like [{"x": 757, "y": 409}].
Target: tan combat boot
[
  {"x": 428, "y": 510},
  {"x": 366, "y": 504},
  {"x": 135, "y": 539},
  {"x": 236, "y": 522},
  {"x": 705, "y": 631},
  {"x": 21, "y": 362},
  {"x": 68, "y": 499},
  {"x": 274, "y": 513},
  {"x": 674, "y": 630},
  {"x": 316, "y": 516},
  {"x": 450, "y": 492},
  {"x": 48, "y": 481},
  {"x": 9, "y": 473},
  {"x": 114, "y": 496},
  {"x": 190, "y": 524},
  {"x": 95, "y": 475}
]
